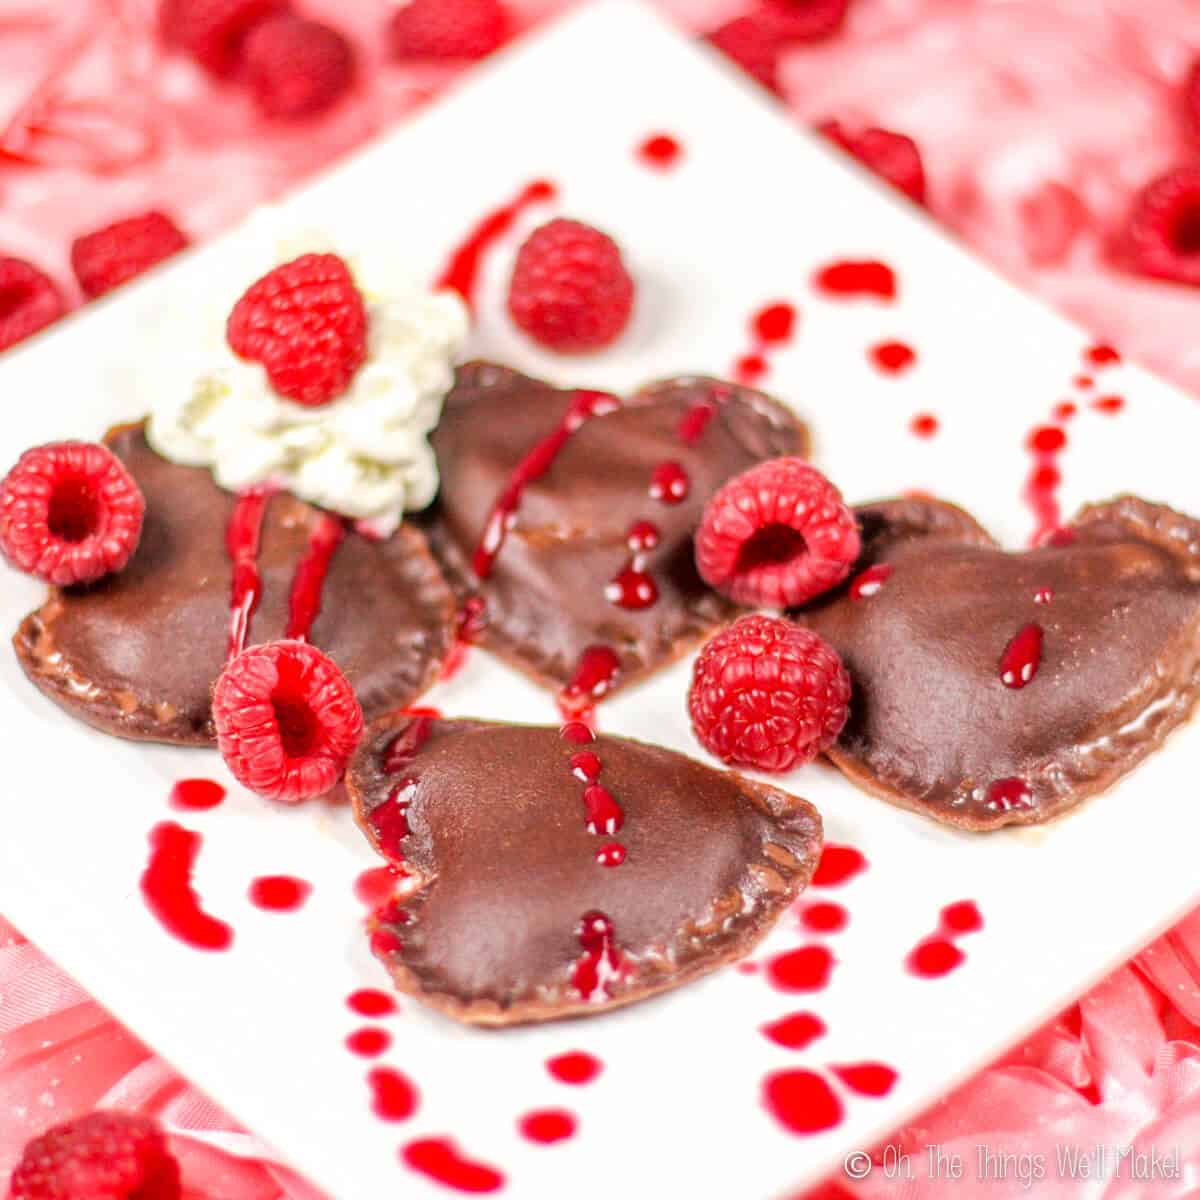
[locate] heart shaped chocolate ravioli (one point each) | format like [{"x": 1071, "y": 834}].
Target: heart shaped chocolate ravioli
[
  {"x": 137, "y": 654},
  {"x": 547, "y": 874},
  {"x": 571, "y": 515},
  {"x": 995, "y": 688}
]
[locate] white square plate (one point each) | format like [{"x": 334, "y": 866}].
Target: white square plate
[{"x": 747, "y": 216}]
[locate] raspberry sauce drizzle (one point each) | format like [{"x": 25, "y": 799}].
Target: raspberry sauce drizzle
[
  {"x": 1022, "y": 657},
  {"x": 242, "y": 538},
  {"x": 867, "y": 1078},
  {"x": 849, "y": 278},
  {"x": 633, "y": 587},
  {"x": 604, "y": 814},
  {"x": 594, "y": 675},
  {"x": 545, "y": 1126},
  {"x": 868, "y": 582},
  {"x": 461, "y": 272},
  {"x": 304, "y": 601},
  {"x": 838, "y": 865},
  {"x": 1045, "y": 445},
  {"x": 393, "y": 1095},
  {"x": 370, "y": 1002},
  {"x": 660, "y": 151},
  {"x": 196, "y": 795},
  {"x": 583, "y": 407},
  {"x": 601, "y": 964},
  {"x": 574, "y": 1067},
  {"x": 892, "y": 357},
  {"x": 279, "y": 893},
  {"x": 806, "y": 969},
  {"x": 801, "y": 1101},
  {"x": 441, "y": 1160},
  {"x": 1003, "y": 795},
  {"x": 795, "y": 1031},
  {"x": 369, "y": 1042},
  {"x": 167, "y": 889},
  {"x": 770, "y": 328},
  {"x": 938, "y": 955}
]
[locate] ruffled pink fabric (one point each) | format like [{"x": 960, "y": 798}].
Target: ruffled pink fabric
[{"x": 1038, "y": 121}]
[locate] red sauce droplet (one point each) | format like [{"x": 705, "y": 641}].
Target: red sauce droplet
[
  {"x": 370, "y": 1002},
  {"x": 408, "y": 742},
  {"x": 695, "y": 421},
  {"x": 642, "y": 536},
  {"x": 575, "y": 1067},
  {"x": 853, "y": 278},
  {"x": 385, "y": 942},
  {"x": 167, "y": 888},
  {"x": 669, "y": 483},
  {"x": 279, "y": 893},
  {"x": 368, "y": 1043},
  {"x": 825, "y": 917},
  {"x": 804, "y": 970},
  {"x": 1022, "y": 657},
  {"x": 750, "y": 369},
  {"x": 924, "y": 425},
  {"x": 1004, "y": 795},
  {"x": 774, "y": 324},
  {"x": 795, "y": 1031},
  {"x": 867, "y": 1078},
  {"x": 934, "y": 958},
  {"x": 962, "y": 917},
  {"x": 611, "y": 854},
  {"x": 469, "y": 625},
  {"x": 661, "y": 151},
  {"x": 837, "y": 865},
  {"x": 801, "y": 1101},
  {"x": 1109, "y": 404},
  {"x": 583, "y": 407},
  {"x": 442, "y": 1161},
  {"x": 1045, "y": 444},
  {"x": 389, "y": 819},
  {"x": 547, "y": 1125},
  {"x": 1043, "y": 595},
  {"x": 577, "y": 732},
  {"x": 376, "y": 885},
  {"x": 304, "y": 602},
  {"x": 196, "y": 794},
  {"x": 893, "y": 357},
  {"x": 868, "y": 583},
  {"x": 461, "y": 272},
  {"x": 393, "y": 1096},
  {"x": 594, "y": 675},
  {"x": 1065, "y": 411},
  {"x": 242, "y": 537},
  {"x": 604, "y": 814},
  {"x": 601, "y": 965},
  {"x": 1102, "y": 355},
  {"x": 585, "y": 766},
  {"x": 1047, "y": 439},
  {"x": 632, "y": 589},
  {"x": 1083, "y": 382}
]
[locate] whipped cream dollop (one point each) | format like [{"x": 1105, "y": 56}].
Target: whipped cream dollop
[{"x": 364, "y": 455}]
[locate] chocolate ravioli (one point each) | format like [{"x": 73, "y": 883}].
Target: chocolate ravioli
[
  {"x": 507, "y": 913},
  {"x": 137, "y": 654},
  {"x": 547, "y": 593},
  {"x": 933, "y": 725}
]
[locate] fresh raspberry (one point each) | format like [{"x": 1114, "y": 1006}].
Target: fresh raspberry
[
  {"x": 70, "y": 513},
  {"x": 448, "y": 29},
  {"x": 892, "y": 155},
  {"x": 754, "y": 43},
  {"x": 287, "y": 720},
  {"x": 776, "y": 535},
  {"x": 1162, "y": 238},
  {"x": 1191, "y": 100},
  {"x": 570, "y": 290},
  {"x": 805, "y": 20},
  {"x": 306, "y": 323},
  {"x": 213, "y": 31},
  {"x": 103, "y": 1156},
  {"x": 297, "y": 68},
  {"x": 767, "y": 694},
  {"x": 111, "y": 256},
  {"x": 29, "y": 301}
]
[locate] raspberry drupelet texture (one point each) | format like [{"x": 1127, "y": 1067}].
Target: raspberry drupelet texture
[
  {"x": 767, "y": 694},
  {"x": 103, "y": 1156},
  {"x": 70, "y": 513},
  {"x": 570, "y": 290},
  {"x": 448, "y": 29},
  {"x": 213, "y": 32},
  {"x": 1162, "y": 239},
  {"x": 776, "y": 536},
  {"x": 29, "y": 301},
  {"x": 805, "y": 20},
  {"x": 111, "y": 256},
  {"x": 297, "y": 68},
  {"x": 893, "y": 156},
  {"x": 287, "y": 720},
  {"x": 306, "y": 322}
]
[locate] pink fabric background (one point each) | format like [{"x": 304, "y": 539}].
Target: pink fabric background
[{"x": 1037, "y": 119}]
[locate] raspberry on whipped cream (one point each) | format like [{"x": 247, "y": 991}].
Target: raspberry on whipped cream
[{"x": 366, "y": 454}]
